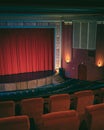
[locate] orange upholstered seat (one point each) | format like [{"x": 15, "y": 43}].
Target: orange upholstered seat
[
  {"x": 83, "y": 99},
  {"x": 59, "y": 102},
  {"x": 7, "y": 108},
  {"x": 33, "y": 107},
  {"x": 95, "y": 117},
  {"x": 14, "y": 123},
  {"x": 62, "y": 120}
]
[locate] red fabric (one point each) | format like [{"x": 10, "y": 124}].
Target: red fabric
[
  {"x": 26, "y": 50},
  {"x": 15, "y": 123},
  {"x": 59, "y": 102},
  {"x": 62, "y": 120},
  {"x": 7, "y": 108}
]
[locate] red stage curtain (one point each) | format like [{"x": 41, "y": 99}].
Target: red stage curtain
[{"x": 26, "y": 50}]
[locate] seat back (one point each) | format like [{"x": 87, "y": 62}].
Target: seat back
[
  {"x": 7, "y": 108},
  {"x": 14, "y": 123},
  {"x": 83, "y": 99},
  {"x": 62, "y": 120},
  {"x": 95, "y": 117},
  {"x": 59, "y": 102},
  {"x": 33, "y": 107},
  {"x": 102, "y": 95}
]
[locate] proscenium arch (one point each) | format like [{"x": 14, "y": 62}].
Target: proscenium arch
[{"x": 56, "y": 25}]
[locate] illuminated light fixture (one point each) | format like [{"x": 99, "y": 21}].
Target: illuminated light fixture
[
  {"x": 67, "y": 59},
  {"x": 100, "y": 64},
  {"x": 57, "y": 70}
]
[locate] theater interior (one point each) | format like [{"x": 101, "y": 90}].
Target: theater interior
[{"x": 51, "y": 65}]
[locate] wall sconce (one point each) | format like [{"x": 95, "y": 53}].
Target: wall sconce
[
  {"x": 67, "y": 60},
  {"x": 100, "y": 64}
]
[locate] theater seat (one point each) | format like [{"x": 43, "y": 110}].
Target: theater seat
[
  {"x": 83, "y": 99},
  {"x": 59, "y": 102},
  {"x": 33, "y": 107},
  {"x": 7, "y": 108},
  {"x": 102, "y": 95},
  {"x": 14, "y": 123},
  {"x": 62, "y": 120},
  {"x": 95, "y": 117}
]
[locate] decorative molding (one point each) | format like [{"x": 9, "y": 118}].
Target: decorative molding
[
  {"x": 52, "y": 17},
  {"x": 39, "y": 24}
]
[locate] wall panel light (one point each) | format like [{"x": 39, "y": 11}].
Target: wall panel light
[
  {"x": 100, "y": 63},
  {"x": 67, "y": 59}
]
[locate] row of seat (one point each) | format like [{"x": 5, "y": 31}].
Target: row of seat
[
  {"x": 69, "y": 120},
  {"x": 61, "y": 120},
  {"x": 55, "y": 102},
  {"x": 33, "y": 107},
  {"x": 59, "y": 102}
]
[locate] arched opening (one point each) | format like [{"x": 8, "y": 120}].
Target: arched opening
[{"x": 82, "y": 72}]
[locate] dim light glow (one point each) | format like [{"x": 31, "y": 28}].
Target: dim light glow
[
  {"x": 57, "y": 70},
  {"x": 67, "y": 59},
  {"x": 100, "y": 63}
]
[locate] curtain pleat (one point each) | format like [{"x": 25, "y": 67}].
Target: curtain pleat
[{"x": 26, "y": 50}]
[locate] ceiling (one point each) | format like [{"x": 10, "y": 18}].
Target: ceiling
[
  {"x": 64, "y": 9},
  {"x": 64, "y": 3},
  {"x": 52, "y": 6}
]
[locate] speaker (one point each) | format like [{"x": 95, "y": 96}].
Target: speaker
[{"x": 84, "y": 35}]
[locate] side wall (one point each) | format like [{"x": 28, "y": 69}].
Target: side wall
[{"x": 80, "y": 56}]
